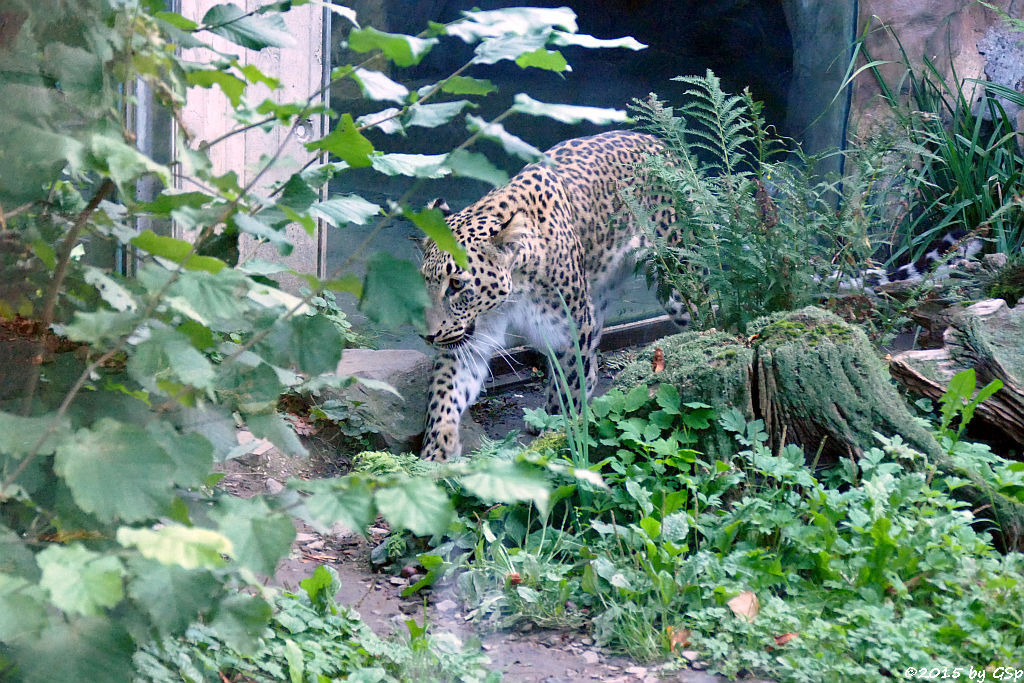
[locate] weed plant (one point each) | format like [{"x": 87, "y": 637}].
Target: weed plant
[
  {"x": 970, "y": 170},
  {"x": 758, "y": 228},
  {"x": 757, "y": 560}
]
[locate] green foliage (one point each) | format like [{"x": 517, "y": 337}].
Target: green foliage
[
  {"x": 757, "y": 230},
  {"x": 968, "y": 161},
  {"x": 960, "y": 401},
  {"x": 310, "y": 637},
  {"x": 132, "y": 381},
  {"x": 869, "y": 567}
]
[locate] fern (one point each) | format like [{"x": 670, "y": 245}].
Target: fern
[{"x": 758, "y": 228}]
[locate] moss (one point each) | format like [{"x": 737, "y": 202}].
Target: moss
[
  {"x": 1008, "y": 284},
  {"x": 380, "y": 463},
  {"x": 554, "y": 440}
]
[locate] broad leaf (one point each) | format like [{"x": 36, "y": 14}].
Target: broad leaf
[
  {"x": 80, "y": 581},
  {"x": 393, "y": 292},
  {"x": 476, "y": 166},
  {"x": 403, "y": 50},
  {"x": 275, "y": 429},
  {"x": 512, "y": 144},
  {"x": 260, "y": 230},
  {"x": 464, "y": 85},
  {"x": 511, "y": 21},
  {"x": 172, "y": 597},
  {"x": 167, "y": 354},
  {"x": 414, "y": 165},
  {"x": 433, "y": 115},
  {"x": 260, "y": 537},
  {"x": 583, "y": 40},
  {"x": 186, "y": 547},
  {"x": 414, "y": 504},
  {"x": 508, "y": 483},
  {"x": 22, "y": 607},
  {"x": 232, "y": 86},
  {"x": 432, "y": 223},
  {"x": 377, "y": 86},
  {"x": 110, "y": 289},
  {"x": 122, "y": 162},
  {"x": 113, "y": 451},
  {"x": 346, "y": 143},
  {"x": 176, "y": 250},
  {"x": 253, "y": 32},
  {"x": 348, "y": 209},
  {"x": 191, "y": 452},
  {"x": 347, "y": 501},
  {"x": 215, "y": 300},
  {"x": 19, "y": 435},
  {"x": 91, "y": 649},
  {"x": 510, "y": 47},
  {"x": 541, "y": 58},
  {"x": 239, "y": 620},
  {"x": 568, "y": 113}
]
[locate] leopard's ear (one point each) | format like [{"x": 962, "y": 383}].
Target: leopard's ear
[
  {"x": 512, "y": 234},
  {"x": 440, "y": 204}
]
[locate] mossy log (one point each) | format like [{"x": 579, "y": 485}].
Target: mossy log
[
  {"x": 816, "y": 382},
  {"x": 989, "y": 337}
]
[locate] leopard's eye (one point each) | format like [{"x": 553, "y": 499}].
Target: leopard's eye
[{"x": 455, "y": 285}]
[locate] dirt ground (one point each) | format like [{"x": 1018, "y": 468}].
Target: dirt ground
[{"x": 524, "y": 655}]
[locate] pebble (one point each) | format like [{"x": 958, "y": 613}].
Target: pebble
[
  {"x": 398, "y": 581},
  {"x": 315, "y": 545},
  {"x": 691, "y": 655},
  {"x": 446, "y": 606},
  {"x": 587, "y": 640},
  {"x": 591, "y": 657},
  {"x": 274, "y": 487},
  {"x": 304, "y": 537},
  {"x": 638, "y": 671}
]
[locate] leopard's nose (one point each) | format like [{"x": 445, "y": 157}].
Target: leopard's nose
[{"x": 429, "y": 338}]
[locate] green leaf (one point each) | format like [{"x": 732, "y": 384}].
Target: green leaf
[
  {"x": 211, "y": 298},
  {"x": 377, "y": 86},
  {"x": 394, "y": 293},
  {"x": 167, "y": 354},
  {"x": 22, "y": 607},
  {"x": 464, "y": 85},
  {"x": 247, "y": 389},
  {"x": 110, "y": 289},
  {"x": 541, "y": 58},
  {"x": 276, "y": 429},
  {"x": 176, "y": 20},
  {"x": 346, "y": 143},
  {"x": 415, "y": 504},
  {"x": 414, "y": 165},
  {"x": 123, "y": 163},
  {"x": 176, "y": 250},
  {"x": 583, "y": 40},
  {"x": 98, "y": 326},
  {"x": 315, "y": 344},
  {"x": 432, "y": 223},
  {"x": 80, "y": 581},
  {"x": 18, "y": 435},
  {"x": 232, "y": 86},
  {"x": 475, "y": 165},
  {"x": 513, "y": 21},
  {"x": 171, "y": 596},
  {"x": 321, "y": 586},
  {"x": 260, "y": 537},
  {"x": 92, "y": 649},
  {"x": 347, "y": 501},
  {"x": 568, "y": 113},
  {"x": 348, "y": 209},
  {"x": 434, "y": 115},
  {"x": 510, "y": 46},
  {"x": 403, "y": 50},
  {"x": 239, "y": 620},
  {"x": 262, "y": 231},
  {"x": 186, "y": 547},
  {"x": 231, "y": 22},
  {"x": 512, "y": 144},
  {"x": 113, "y": 451},
  {"x": 508, "y": 483}
]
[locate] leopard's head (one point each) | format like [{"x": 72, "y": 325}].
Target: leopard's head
[{"x": 459, "y": 296}]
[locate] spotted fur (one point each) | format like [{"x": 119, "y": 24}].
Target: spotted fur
[{"x": 555, "y": 233}]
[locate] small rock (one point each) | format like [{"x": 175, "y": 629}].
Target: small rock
[
  {"x": 587, "y": 640},
  {"x": 274, "y": 487},
  {"x": 446, "y": 606},
  {"x": 995, "y": 261},
  {"x": 487, "y": 647},
  {"x": 691, "y": 655},
  {"x": 408, "y": 570},
  {"x": 315, "y": 545},
  {"x": 409, "y": 607},
  {"x": 378, "y": 531},
  {"x": 638, "y": 671},
  {"x": 398, "y": 581},
  {"x": 303, "y": 537},
  {"x": 591, "y": 657}
]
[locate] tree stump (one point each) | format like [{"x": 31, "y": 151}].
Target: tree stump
[
  {"x": 989, "y": 337},
  {"x": 816, "y": 382}
]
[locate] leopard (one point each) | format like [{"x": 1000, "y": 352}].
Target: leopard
[{"x": 547, "y": 254}]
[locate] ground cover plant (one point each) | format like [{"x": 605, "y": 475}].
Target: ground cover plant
[
  {"x": 127, "y": 383},
  {"x": 754, "y": 561}
]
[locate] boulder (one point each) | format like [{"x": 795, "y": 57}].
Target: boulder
[{"x": 399, "y": 420}]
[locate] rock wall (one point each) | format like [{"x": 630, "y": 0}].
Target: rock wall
[{"x": 958, "y": 36}]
